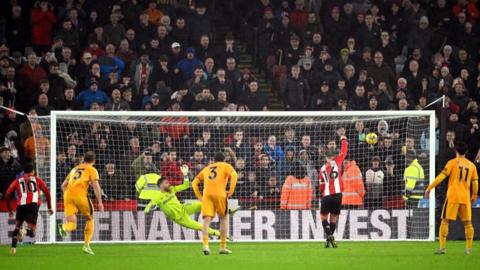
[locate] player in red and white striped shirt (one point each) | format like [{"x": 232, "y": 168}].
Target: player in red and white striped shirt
[
  {"x": 27, "y": 192},
  {"x": 331, "y": 186}
]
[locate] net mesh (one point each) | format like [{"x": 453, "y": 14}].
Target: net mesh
[{"x": 265, "y": 151}]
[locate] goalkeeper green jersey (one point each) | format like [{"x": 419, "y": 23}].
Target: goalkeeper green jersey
[{"x": 168, "y": 201}]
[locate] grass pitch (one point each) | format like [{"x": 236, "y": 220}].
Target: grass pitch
[{"x": 249, "y": 256}]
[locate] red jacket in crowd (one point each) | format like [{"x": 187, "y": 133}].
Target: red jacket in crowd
[
  {"x": 43, "y": 22},
  {"x": 29, "y": 79},
  {"x": 171, "y": 171},
  {"x": 299, "y": 19}
]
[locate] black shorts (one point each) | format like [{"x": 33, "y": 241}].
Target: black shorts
[
  {"x": 28, "y": 213},
  {"x": 331, "y": 204}
]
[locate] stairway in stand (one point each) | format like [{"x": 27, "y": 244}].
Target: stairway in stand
[{"x": 246, "y": 61}]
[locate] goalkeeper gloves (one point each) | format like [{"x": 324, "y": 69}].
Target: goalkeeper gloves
[
  {"x": 150, "y": 208},
  {"x": 184, "y": 170}
]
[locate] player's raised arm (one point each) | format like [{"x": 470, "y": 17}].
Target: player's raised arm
[
  {"x": 233, "y": 183},
  {"x": 344, "y": 147},
  {"x": 196, "y": 183}
]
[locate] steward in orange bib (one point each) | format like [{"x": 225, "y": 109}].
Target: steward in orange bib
[{"x": 297, "y": 190}]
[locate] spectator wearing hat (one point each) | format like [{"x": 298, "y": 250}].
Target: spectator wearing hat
[
  {"x": 92, "y": 94},
  {"x": 29, "y": 78},
  {"x": 421, "y": 37},
  {"x": 309, "y": 74},
  {"x": 9, "y": 168},
  {"x": 43, "y": 20},
  {"x": 296, "y": 91},
  {"x": 164, "y": 93},
  {"x": 323, "y": 100},
  {"x": 161, "y": 72},
  {"x": 307, "y": 55},
  {"x": 187, "y": 65},
  {"x": 344, "y": 59},
  {"x": 329, "y": 73},
  {"x": 175, "y": 55},
  {"x": 293, "y": 52}
]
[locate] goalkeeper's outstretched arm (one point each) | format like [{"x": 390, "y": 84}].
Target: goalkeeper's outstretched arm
[{"x": 186, "y": 180}]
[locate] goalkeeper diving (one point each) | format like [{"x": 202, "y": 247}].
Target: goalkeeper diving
[{"x": 166, "y": 200}]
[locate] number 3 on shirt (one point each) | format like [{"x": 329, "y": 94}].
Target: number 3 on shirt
[{"x": 213, "y": 173}]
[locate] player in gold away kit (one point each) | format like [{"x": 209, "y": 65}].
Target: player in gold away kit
[
  {"x": 215, "y": 178},
  {"x": 75, "y": 198},
  {"x": 463, "y": 179}
]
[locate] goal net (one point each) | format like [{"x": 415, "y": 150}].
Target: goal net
[{"x": 266, "y": 149}]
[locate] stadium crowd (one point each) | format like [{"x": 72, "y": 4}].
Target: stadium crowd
[{"x": 319, "y": 55}]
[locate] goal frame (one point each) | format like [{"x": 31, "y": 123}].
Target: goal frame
[{"x": 57, "y": 114}]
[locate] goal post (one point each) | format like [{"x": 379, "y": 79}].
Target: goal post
[{"x": 271, "y": 145}]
